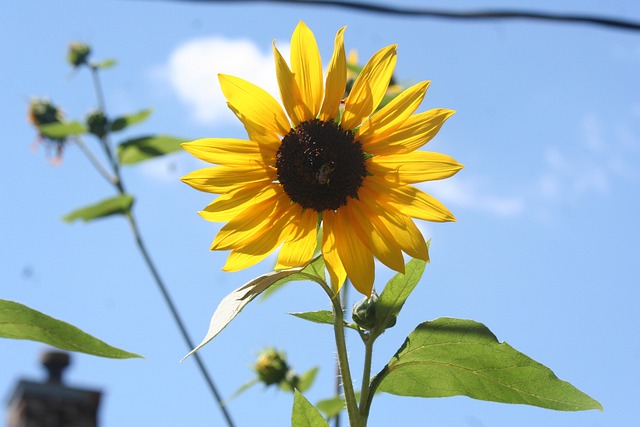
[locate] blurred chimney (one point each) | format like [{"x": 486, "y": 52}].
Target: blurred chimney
[{"x": 52, "y": 403}]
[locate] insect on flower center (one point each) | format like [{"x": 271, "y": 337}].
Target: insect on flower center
[{"x": 320, "y": 165}]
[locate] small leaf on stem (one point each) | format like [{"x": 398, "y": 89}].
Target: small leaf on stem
[
  {"x": 118, "y": 205},
  {"x": 130, "y": 119},
  {"x": 139, "y": 149}
]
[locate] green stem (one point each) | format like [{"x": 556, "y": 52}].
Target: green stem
[
  {"x": 119, "y": 185},
  {"x": 366, "y": 374},
  {"x": 338, "y": 388},
  {"x": 343, "y": 360}
]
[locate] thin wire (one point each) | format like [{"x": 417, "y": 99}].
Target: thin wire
[{"x": 488, "y": 14}]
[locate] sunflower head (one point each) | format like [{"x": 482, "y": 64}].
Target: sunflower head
[{"x": 324, "y": 164}]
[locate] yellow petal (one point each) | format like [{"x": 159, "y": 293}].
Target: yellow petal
[
  {"x": 336, "y": 270},
  {"x": 307, "y": 67},
  {"x": 231, "y": 151},
  {"x": 401, "y": 227},
  {"x": 336, "y": 82},
  {"x": 289, "y": 91},
  {"x": 369, "y": 87},
  {"x": 259, "y": 249},
  {"x": 413, "y": 134},
  {"x": 392, "y": 116},
  {"x": 377, "y": 236},
  {"x": 298, "y": 249},
  {"x": 416, "y": 166},
  {"x": 254, "y": 103},
  {"x": 410, "y": 200},
  {"x": 229, "y": 205},
  {"x": 251, "y": 224},
  {"x": 264, "y": 136},
  {"x": 354, "y": 254},
  {"x": 221, "y": 179}
]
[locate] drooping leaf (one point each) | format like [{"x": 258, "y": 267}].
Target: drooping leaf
[
  {"x": 130, "y": 119},
  {"x": 233, "y": 303},
  {"x": 331, "y": 407},
  {"x": 321, "y": 316},
  {"x": 244, "y": 387},
  {"x": 306, "y": 380},
  {"x": 62, "y": 130},
  {"x": 107, "y": 63},
  {"x": 18, "y": 321},
  {"x": 117, "y": 205},
  {"x": 395, "y": 293},
  {"x": 451, "y": 357},
  {"x": 147, "y": 147},
  {"x": 304, "y": 414}
]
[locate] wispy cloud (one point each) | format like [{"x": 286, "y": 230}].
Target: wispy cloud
[{"x": 192, "y": 69}]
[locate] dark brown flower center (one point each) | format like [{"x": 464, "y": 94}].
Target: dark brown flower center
[{"x": 320, "y": 165}]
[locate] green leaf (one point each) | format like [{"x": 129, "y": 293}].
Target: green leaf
[
  {"x": 128, "y": 120},
  {"x": 304, "y": 414},
  {"x": 62, "y": 130},
  {"x": 321, "y": 316},
  {"x": 232, "y": 304},
  {"x": 332, "y": 407},
  {"x": 147, "y": 147},
  {"x": 18, "y": 321},
  {"x": 451, "y": 357},
  {"x": 313, "y": 270},
  {"x": 306, "y": 380},
  {"x": 117, "y": 205},
  {"x": 107, "y": 63},
  {"x": 395, "y": 293}
]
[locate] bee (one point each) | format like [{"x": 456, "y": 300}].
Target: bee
[{"x": 323, "y": 173}]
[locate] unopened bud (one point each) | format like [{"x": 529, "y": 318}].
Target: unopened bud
[
  {"x": 271, "y": 366},
  {"x": 43, "y": 112},
  {"x": 364, "y": 314},
  {"x": 78, "y": 54},
  {"x": 97, "y": 123}
]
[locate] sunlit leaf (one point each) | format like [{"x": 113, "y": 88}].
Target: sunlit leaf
[
  {"x": 304, "y": 414},
  {"x": 62, "y": 130},
  {"x": 332, "y": 406},
  {"x": 306, "y": 380},
  {"x": 107, "y": 63},
  {"x": 395, "y": 293},
  {"x": 117, "y": 205},
  {"x": 321, "y": 316},
  {"x": 233, "y": 303},
  {"x": 130, "y": 119},
  {"x": 314, "y": 269},
  {"x": 451, "y": 357},
  {"x": 18, "y": 321},
  {"x": 136, "y": 150}
]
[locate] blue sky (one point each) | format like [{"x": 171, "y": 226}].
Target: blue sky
[{"x": 546, "y": 250}]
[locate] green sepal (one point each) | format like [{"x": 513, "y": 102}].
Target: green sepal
[
  {"x": 62, "y": 130},
  {"x": 457, "y": 357},
  {"x": 118, "y": 205},
  {"x": 17, "y": 321},
  {"x": 304, "y": 414},
  {"x": 130, "y": 119},
  {"x": 147, "y": 147}
]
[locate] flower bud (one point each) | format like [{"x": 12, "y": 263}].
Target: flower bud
[
  {"x": 271, "y": 366},
  {"x": 78, "y": 54},
  {"x": 364, "y": 314},
  {"x": 97, "y": 123},
  {"x": 42, "y": 112}
]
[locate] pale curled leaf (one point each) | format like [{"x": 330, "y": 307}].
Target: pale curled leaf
[
  {"x": 18, "y": 321},
  {"x": 452, "y": 357},
  {"x": 233, "y": 303},
  {"x": 118, "y": 205},
  {"x": 304, "y": 414}
]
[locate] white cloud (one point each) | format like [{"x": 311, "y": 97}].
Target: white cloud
[{"x": 192, "y": 70}]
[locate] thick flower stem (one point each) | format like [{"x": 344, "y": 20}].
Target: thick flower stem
[
  {"x": 366, "y": 373},
  {"x": 343, "y": 360}
]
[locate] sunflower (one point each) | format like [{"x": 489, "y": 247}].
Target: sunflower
[{"x": 339, "y": 167}]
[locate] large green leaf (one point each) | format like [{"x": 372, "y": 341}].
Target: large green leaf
[
  {"x": 304, "y": 414},
  {"x": 450, "y": 357},
  {"x": 112, "y": 206},
  {"x": 62, "y": 130},
  {"x": 130, "y": 119},
  {"x": 232, "y": 304},
  {"x": 395, "y": 293},
  {"x": 147, "y": 147},
  {"x": 18, "y": 321}
]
